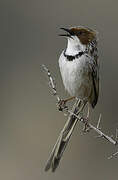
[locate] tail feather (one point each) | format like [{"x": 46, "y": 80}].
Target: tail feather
[{"x": 62, "y": 140}]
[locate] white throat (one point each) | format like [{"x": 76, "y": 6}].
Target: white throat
[{"x": 74, "y": 46}]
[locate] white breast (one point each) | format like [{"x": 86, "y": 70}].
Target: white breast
[{"x": 75, "y": 76}]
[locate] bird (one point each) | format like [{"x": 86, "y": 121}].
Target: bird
[{"x": 79, "y": 68}]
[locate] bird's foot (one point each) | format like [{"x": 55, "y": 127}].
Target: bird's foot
[
  {"x": 86, "y": 125},
  {"x": 62, "y": 105},
  {"x": 86, "y": 120}
]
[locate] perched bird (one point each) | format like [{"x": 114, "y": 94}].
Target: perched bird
[{"x": 79, "y": 69}]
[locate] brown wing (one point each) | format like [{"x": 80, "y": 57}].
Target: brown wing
[{"x": 95, "y": 82}]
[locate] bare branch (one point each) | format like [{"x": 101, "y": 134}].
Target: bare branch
[
  {"x": 96, "y": 129},
  {"x": 66, "y": 133}
]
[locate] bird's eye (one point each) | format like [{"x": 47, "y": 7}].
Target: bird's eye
[
  {"x": 72, "y": 33},
  {"x": 80, "y": 33}
]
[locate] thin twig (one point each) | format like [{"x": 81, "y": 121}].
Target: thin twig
[{"x": 51, "y": 82}]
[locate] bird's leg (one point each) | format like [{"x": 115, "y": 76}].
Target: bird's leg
[
  {"x": 62, "y": 103},
  {"x": 86, "y": 127},
  {"x": 88, "y": 112}
]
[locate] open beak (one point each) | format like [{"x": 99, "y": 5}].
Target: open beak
[{"x": 68, "y": 33}]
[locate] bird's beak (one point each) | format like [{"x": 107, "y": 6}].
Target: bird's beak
[{"x": 68, "y": 33}]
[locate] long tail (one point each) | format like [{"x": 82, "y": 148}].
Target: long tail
[{"x": 63, "y": 138}]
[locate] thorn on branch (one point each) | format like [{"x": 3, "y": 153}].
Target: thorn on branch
[
  {"x": 116, "y": 134},
  {"x": 98, "y": 124},
  {"x": 98, "y": 136},
  {"x": 113, "y": 155}
]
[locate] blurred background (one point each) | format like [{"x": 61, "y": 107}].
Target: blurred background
[{"x": 29, "y": 120}]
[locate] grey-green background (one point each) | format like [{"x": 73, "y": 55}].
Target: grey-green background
[{"x": 29, "y": 120}]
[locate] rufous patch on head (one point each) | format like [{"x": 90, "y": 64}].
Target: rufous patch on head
[{"x": 85, "y": 35}]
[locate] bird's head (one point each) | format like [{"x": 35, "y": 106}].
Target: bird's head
[{"x": 78, "y": 35}]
